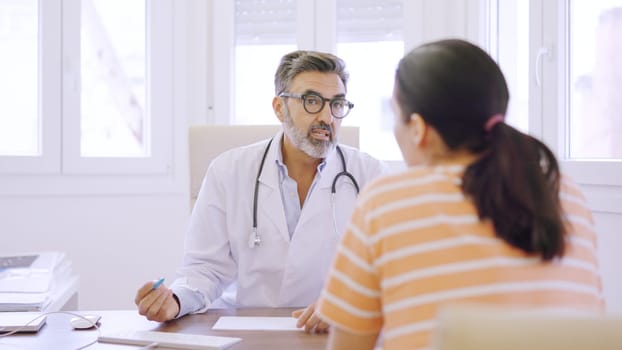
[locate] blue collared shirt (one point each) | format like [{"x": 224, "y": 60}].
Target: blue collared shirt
[{"x": 289, "y": 192}]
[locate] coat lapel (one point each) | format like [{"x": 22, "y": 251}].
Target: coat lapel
[
  {"x": 319, "y": 201},
  {"x": 269, "y": 202}
]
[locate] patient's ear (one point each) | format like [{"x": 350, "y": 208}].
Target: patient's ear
[
  {"x": 418, "y": 129},
  {"x": 277, "y": 106}
]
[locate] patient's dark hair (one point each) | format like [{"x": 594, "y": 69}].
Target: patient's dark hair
[
  {"x": 301, "y": 61},
  {"x": 457, "y": 88}
]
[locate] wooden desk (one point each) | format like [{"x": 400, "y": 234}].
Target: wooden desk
[{"x": 58, "y": 334}]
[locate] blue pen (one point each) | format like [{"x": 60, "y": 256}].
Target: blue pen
[{"x": 158, "y": 283}]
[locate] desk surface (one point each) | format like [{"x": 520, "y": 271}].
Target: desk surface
[{"x": 58, "y": 334}]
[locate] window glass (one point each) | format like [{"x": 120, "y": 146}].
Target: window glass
[
  {"x": 370, "y": 40},
  {"x": 113, "y": 115},
  {"x": 509, "y": 33},
  {"x": 265, "y": 30},
  {"x": 595, "y": 81},
  {"x": 254, "y": 82},
  {"x": 370, "y": 90},
  {"x": 19, "y": 72}
]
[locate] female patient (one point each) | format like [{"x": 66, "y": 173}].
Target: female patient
[{"x": 482, "y": 214}]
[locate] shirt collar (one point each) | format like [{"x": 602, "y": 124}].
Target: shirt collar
[{"x": 283, "y": 169}]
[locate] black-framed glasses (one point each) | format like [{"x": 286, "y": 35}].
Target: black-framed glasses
[{"x": 313, "y": 103}]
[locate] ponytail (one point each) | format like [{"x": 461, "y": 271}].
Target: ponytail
[
  {"x": 516, "y": 185},
  {"x": 458, "y": 89}
]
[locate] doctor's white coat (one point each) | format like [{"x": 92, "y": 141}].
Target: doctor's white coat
[{"x": 280, "y": 272}]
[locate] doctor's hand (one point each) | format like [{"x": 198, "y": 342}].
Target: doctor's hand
[
  {"x": 310, "y": 320},
  {"x": 156, "y": 304}
]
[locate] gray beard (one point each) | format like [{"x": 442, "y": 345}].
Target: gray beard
[{"x": 313, "y": 148}]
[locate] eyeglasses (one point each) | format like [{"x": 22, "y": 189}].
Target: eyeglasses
[{"x": 314, "y": 103}]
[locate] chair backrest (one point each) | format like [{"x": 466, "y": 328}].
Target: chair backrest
[
  {"x": 208, "y": 141},
  {"x": 488, "y": 328}
]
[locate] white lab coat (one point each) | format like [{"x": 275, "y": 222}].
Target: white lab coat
[{"x": 279, "y": 272}]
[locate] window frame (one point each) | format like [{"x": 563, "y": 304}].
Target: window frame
[
  {"x": 49, "y": 97},
  {"x": 600, "y": 179},
  {"x": 159, "y": 49},
  {"x": 317, "y": 30},
  {"x": 60, "y": 170}
]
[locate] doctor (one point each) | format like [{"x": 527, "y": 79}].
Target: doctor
[{"x": 269, "y": 215}]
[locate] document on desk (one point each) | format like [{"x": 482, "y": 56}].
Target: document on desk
[
  {"x": 249, "y": 323},
  {"x": 24, "y": 301},
  {"x": 32, "y": 272},
  {"x": 35, "y": 281},
  {"x": 21, "y": 321}
]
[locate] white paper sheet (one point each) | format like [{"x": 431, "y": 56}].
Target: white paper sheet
[
  {"x": 25, "y": 321},
  {"x": 256, "y": 323}
]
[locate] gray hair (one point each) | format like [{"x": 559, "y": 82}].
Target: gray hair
[{"x": 301, "y": 61}]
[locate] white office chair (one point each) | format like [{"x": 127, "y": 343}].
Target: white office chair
[
  {"x": 208, "y": 141},
  {"x": 488, "y": 328}
]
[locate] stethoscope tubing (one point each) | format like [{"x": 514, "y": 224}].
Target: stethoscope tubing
[{"x": 254, "y": 238}]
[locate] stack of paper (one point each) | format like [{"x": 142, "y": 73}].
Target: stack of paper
[
  {"x": 28, "y": 282},
  {"x": 21, "y": 321}
]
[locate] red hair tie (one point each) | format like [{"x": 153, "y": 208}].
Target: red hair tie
[{"x": 492, "y": 121}]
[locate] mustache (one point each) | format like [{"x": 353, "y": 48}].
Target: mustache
[{"x": 321, "y": 126}]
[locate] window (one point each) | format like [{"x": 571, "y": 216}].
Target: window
[
  {"x": 370, "y": 40},
  {"x": 31, "y": 100},
  {"x": 509, "y": 35},
  {"x": 90, "y": 86},
  {"x": 595, "y": 80},
  {"x": 588, "y": 93},
  {"x": 264, "y": 31},
  {"x": 19, "y": 69},
  {"x": 363, "y": 33},
  {"x": 113, "y": 116},
  {"x": 566, "y": 74},
  {"x": 117, "y": 72}
]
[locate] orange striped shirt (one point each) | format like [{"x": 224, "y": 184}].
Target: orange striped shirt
[{"x": 415, "y": 243}]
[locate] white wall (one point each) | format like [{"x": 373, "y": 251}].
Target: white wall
[{"x": 115, "y": 243}]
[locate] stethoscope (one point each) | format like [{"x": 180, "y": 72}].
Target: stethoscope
[{"x": 254, "y": 239}]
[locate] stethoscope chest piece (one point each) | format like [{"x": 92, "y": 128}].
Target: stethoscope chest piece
[{"x": 253, "y": 239}]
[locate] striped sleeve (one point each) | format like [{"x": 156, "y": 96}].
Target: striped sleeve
[
  {"x": 351, "y": 296},
  {"x": 582, "y": 231},
  {"x": 415, "y": 243}
]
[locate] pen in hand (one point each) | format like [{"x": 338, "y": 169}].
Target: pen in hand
[{"x": 157, "y": 284}]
